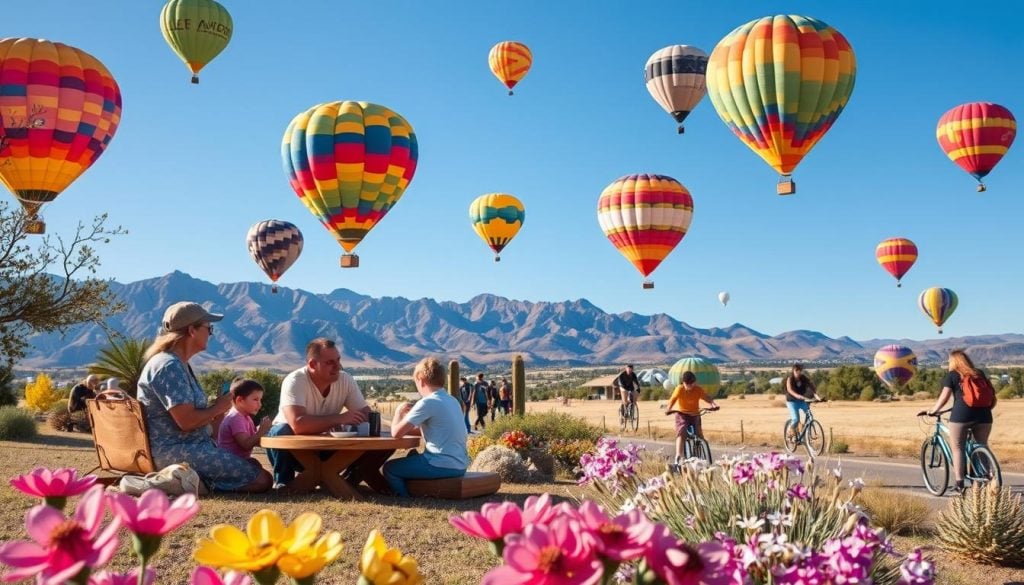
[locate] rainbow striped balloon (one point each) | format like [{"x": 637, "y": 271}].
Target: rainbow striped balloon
[
  {"x": 896, "y": 255},
  {"x": 274, "y": 245},
  {"x": 349, "y": 163},
  {"x": 976, "y": 136},
  {"x": 645, "y": 217},
  {"x": 895, "y": 365},
  {"x": 497, "y": 218},
  {"x": 60, "y": 108},
  {"x": 510, "y": 61},
  {"x": 938, "y": 304},
  {"x": 707, "y": 373},
  {"x": 779, "y": 83}
]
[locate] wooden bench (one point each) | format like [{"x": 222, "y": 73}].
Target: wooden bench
[{"x": 471, "y": 485}]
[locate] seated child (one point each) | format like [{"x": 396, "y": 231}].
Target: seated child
[{"x": 238, "y": 434}]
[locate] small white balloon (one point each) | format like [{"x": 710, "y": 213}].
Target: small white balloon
[
  {"x": 667, "y": 385},
  {"x": 723, "y": 297}
]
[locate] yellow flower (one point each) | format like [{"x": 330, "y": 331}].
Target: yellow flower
[
  {"x": 303, "y": 562},
  {"x": 260, "y": 547},
  {"x": 381, "y": 565}
]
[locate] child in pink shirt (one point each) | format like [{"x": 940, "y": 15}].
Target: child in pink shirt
[{"x": 238, "y": 434}]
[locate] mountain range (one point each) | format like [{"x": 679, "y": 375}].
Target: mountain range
[{"x": 263, "y": 329}]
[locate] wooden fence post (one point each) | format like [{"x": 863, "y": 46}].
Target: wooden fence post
[
  {"x": 741, "y": 431},
  {"x": 831, "y": 440},
  {"x": 650, "y": 434},
  {"x": 604, "y": 427}
]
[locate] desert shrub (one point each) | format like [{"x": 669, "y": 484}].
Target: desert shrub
[
  {"x": 897, "y": 512},
  {"x": 986, "y": 525},
  {"x": 544, "y": 427},
  {"x": 1007, "y": 393},
  {"x": 60, "y": 420},
  {"x": 59, "y": 406},
  {"x": 477, "y": 444},
  {"x": 518, "y": 441},
  {"x": 567, "y": 453},
  {"x": 16, "y": 424},
  {"x": 921, "y": 395},
  {"x": 505, "y": 462},
  {"x": 867, "y": 394},
  {"x": 839, "y": 446},
  {"x": 41, "y": 394}
]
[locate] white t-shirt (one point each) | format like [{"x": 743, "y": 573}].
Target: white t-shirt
[
  {"x": 440, "y": 419},
  {"x": 298, "y": 390}
]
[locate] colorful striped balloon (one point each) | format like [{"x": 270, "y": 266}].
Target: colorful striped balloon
[
  {"x": 645, "y": 217},
  {"x": 779, "y": 83},
  {"x": 675, "y": 79},
  {"x": 349, "y": 163},
  {"x": 938, "y": 304},
  {"x": 896, "y": 255},
  {"x": 976, "y": 136},
  {"x": 197, "y": 30},
  {"x": 497, "y": 218},
  {"x": 60, "y": 108},
  {"x": 895, "y": 365},
  {"x": 510, "y": 62},
  {"x": 707, "y": 373},
  {"x": 274, "y": 245}
]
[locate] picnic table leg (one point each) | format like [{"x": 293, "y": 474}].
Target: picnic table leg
[
  {"x": 330, "y": 475},
  {"x": 368, "y": 470},
  {"x": 307, "y": 479}
]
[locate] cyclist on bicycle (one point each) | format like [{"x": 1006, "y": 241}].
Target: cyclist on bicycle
[
  {"x": 800, "y": 392},
  {"x": 687, "y": 397},
  {"x": 964, "y": 418},
  {"x": 628, "y": 385}
]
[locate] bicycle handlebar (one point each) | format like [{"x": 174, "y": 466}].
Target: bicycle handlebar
[
  {"x": 699, "y": 413},
  {"x": 936, "y": 414}
]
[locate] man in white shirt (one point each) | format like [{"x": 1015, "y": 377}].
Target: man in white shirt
[{"x": 311, "y": 403}]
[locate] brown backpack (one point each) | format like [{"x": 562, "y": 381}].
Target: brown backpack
[{"x": 978, "y": 391}]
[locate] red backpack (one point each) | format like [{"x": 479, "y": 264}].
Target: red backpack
[{"x": 978, "y": 391}]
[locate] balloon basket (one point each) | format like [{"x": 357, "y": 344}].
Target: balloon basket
[
  {"x": 497, "y": 258},
  {"x": 35, "y": 226},
  {"x": 680, "y": 130},
  {"x": 350, "y": 261},
  {"x": 510, "y": 92},
  {"x": 647, "y": 284},
  {"x": 273, "y": 290},
  {"x": 786, "y": 186},
  {"x": 899, "y": 284},
  {"x": 981, "y": 187},
  {"x": 195, "y": 79}
]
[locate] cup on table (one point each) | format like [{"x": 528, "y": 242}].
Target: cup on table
[{"x": 363, "y": 429}]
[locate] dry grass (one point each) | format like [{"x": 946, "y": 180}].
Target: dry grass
[{"x": 898, "y": 512}]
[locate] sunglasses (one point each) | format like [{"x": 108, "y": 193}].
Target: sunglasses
[{"x": 209, "y": 327}]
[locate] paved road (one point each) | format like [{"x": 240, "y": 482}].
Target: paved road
[{"x": 901, "y": 474}]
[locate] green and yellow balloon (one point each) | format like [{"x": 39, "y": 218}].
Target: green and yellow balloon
[
  {"x": 197, "y": 30},
  {"x": 497, "y": 218},
  {"x": 706, "y": 372}
]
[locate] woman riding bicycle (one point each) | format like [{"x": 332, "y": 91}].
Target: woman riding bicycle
[
  {"x": 687, "y": 397},
  {"x": 800, "y": 392},
  {"x": 628, "y": 385},
  {"x": 977, "y": 420}
]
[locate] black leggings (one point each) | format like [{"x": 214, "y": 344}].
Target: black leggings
[{"x": 481, "y": 414}]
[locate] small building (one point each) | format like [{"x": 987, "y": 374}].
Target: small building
[{"x": 603, "y": 387}]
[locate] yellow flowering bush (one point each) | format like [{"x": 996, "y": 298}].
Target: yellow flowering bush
[
  {"x": 41, "y": 395},
  {"x": 381, "y": 565}
]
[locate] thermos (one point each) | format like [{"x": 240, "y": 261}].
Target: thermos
[{"x": 374, "y": 420}]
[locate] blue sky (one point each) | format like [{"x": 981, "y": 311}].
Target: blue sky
[{"x": 192, "y": 167}]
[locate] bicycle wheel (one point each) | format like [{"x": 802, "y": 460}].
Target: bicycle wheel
[
  {"x": 622, "y": 418},
  {"x": 934, "y": 467},
  {"x": 702, "y": 450},
  {"x": 634, "y": 416},
  {"x": 814, "y": 438},
  {"x": 983, "y": 466},
  {"x": 789, "y": 436}
]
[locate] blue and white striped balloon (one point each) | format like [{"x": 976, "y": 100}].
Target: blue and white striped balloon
[{"x": 274, "y": 245}]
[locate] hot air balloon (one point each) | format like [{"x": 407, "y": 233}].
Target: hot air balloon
[
  {"x": 675, "y": 79},
  {"x": 497, "y": 218},
  {"x": 510, "y": 61},
  {"x": 723, "y": 297},
  {"x": 349, "y": 163},
  {"x": 668, "y": 385},
  {"x": 274, "y": 245},
  {"x": 644, "y": 217},
  {"x": 895, "y": 365},
  {"x": 779, "y": 83},
  {"x": 896, "y": 255},
  {"x": 706, "y": 372},
  {"x": 976, "y": 136},
  {"x": 938, "y": 304},
  {"x": 60, "y": 108},
  {"x": 197, "y": 30}
]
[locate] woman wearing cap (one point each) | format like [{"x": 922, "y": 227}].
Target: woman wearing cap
[{"x": 176, "y": 407}]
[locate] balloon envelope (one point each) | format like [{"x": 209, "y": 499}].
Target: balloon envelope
[
  {"x": 197, "y": 30},
  {"x": 723, "y": 297},
  {"x": 645, "y": 217},
  {"x": 675, "y": 79},
  {"x": 896, "y": 255},
  {"x": 274, "y": 245},
  {"x": 497, "y": 218},
  {"x": 510, "y": 61},
  {"x": 937, "y": 304},
  {"x": 349, "y": 163},
  {"x": 706, "y": 372},
  {"x": 895, "y": 365},
  {"x": 976, "y": 136},
  {"x": 779, "y": 83},
  {"x": 60, "y": 108}
]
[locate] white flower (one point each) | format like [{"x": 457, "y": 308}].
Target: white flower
[
  {"x": 838, "y": 470},
  {"x": 857, "y": 483},
  {"x": 752, "y": 524},
  {"x": 778, "y": 518}
]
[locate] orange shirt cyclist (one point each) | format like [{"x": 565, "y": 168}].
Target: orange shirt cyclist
[{"x": 686, "y": 400}]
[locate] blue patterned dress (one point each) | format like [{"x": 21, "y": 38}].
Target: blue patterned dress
[{"x": 165, "y": 383}]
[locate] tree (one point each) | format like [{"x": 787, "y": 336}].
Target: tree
[
  {"x": 33, "y": 300},
  {"x": 122, "y": 359},
  {"x": 7, "y": 396},
  {"x": 40, "y": 395}
]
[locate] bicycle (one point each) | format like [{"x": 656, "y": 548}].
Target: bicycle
[
  {"x": 629, "y": 415},
  {"x": 694, "y": 446},
  {"x": 812, "y": 435},
  {"x": 982, "y": 466}
]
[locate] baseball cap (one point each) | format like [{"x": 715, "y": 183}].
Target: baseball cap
[{"x": 181, "y": 315}]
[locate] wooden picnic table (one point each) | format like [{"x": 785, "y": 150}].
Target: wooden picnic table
[{"x": 328, "y": 472}]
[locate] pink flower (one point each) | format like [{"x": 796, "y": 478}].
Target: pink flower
[
  {"x": 677, "y": 564},
  {"x": 538, "y": 510},
  {"x": 623, "y": 538},
  {"x": 548, "y": 555},
  {"x": 153, "y": 514},
  {"x": 55, "y": 486},
  {"x": 798, "y": 492},
  {"x": 492, "y": 523},
  {"x": 62, "y": 546},
  {"x": 129, "y": 578},
  {"x": 207, "y": 576}
]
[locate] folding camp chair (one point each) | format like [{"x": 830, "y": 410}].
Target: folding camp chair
[{"x": 120, "y": 434}]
